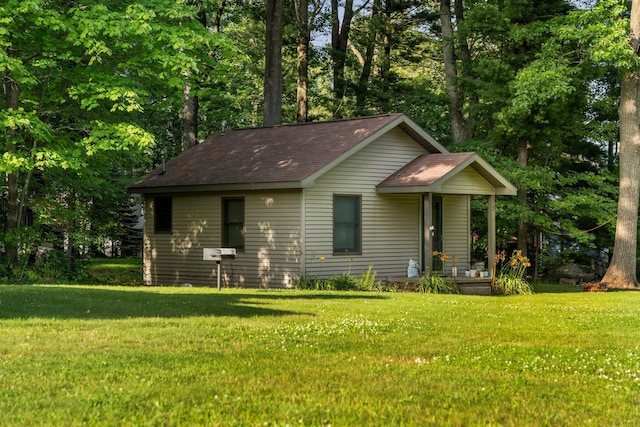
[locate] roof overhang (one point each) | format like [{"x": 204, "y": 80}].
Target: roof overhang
[
  {"x": 430, "y": 173},
  {"x": 188, "y": 189}
]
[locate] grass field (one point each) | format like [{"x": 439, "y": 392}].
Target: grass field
[{"x": 115, "y": 355}]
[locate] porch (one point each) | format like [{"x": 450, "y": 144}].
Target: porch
[
  {"x": 466, "y": 285},
  {"x": 446, "y": 184}
]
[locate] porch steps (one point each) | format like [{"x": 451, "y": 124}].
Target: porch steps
[{"x": 467, "y": 285}]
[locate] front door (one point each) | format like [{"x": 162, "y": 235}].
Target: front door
[{"x": 436, "y": 233}]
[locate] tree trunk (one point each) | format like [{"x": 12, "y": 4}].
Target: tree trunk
[
  {"x": 621, "y": 273},
  {"x": 304, "y": 38},
  {"x": 366, "y": 61},
  {"x": 217, "y": 26},
  {"x": 190, "y": 103},
  {"x": 339, "y": 40},
  {"x": 273, "y": 63},
  {"x": 367, "y": 66},
  {"x": 459, "y": 129},
  {"x": 189, "y": 119},
  {"x": 465, "y": 61},
  {"x": 523, "y": 232},
  {"x": 12, "y": 97}
]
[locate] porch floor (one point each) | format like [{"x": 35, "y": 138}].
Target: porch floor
[{"x": 467, "y": 285}]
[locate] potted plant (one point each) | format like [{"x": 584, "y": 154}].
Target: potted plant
[{"x": 472, "y": 269}]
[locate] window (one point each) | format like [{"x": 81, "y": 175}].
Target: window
[
  {"x": 346, "y": 224},
  {"x": 163, "y": 213},
  {"x": 233, "y": 223}
]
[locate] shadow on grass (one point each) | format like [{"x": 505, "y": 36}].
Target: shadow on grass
[{"x": 70, "y": 302}]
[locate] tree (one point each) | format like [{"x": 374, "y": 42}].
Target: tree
[
  {"x": 305, "y": 23},
  {"x": 621, "y": 273},
  {"x": 339, "y": 43},
  {"x": 461, "y": 128},
  {"x": 77, "y": 79},
  {"x": 273, "y": 63}
]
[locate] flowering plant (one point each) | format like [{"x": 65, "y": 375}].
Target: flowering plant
[
  {"x": 442, "y": 257},
  {"x": 512, "y": 276}
]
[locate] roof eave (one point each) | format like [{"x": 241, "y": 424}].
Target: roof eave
[
  {"x": 216, "y": 188},
  {"x": 401, "y": 189}
]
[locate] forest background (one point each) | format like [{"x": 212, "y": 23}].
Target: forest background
[{"x": 96, "y": 93}]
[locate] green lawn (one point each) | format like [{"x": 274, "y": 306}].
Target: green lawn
[{"x": 98, "y": 355}]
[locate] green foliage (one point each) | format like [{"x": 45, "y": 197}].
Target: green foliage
[
  {"x": 367, "y": 280},
  {"x": 101, "y": 94},
  {"x": 437, "y": 285},
  {"x": 87, "y": 77},
  {"x": 343, "y": 282},
  {"x": 56, "y": 266},
  {"x": 313, "y": 284}
]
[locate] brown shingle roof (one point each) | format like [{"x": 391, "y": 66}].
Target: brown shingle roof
[
  {"x": 279, "y": 155},
  {"x": 425, "y": 170}
]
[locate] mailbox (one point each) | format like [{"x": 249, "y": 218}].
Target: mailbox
[
  {"x": 228, "y": 253},
  {"x": 218, "y": 254}
]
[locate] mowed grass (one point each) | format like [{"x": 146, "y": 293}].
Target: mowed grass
[{"x": 98, "y": 355}]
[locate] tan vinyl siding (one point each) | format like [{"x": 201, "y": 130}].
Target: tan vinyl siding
[
  {"x": 455, "y": 231},
  {"x": 390, "y": 223},
  {"x": 272, "y": 242},
  {"x": 467, "y": 181}
]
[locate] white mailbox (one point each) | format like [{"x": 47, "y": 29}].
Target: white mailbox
[{"x": 218, "y": 255}]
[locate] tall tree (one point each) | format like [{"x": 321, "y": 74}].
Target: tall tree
[
  {"x": 461, "y": 128},
  {"x": 305, "y": 19},
  {"x": 522, "y": 88},
  {"x": 191, "y": 103},
  {"x": 621, "y": 273},
  {"x": 273, "y": 63},
  {"x": 340, "y": 31},
  {"x": 77, "y": 79}
]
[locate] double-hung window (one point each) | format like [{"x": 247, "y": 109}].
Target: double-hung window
[
  {"x": 162, "y": 214},
  {"x": 233, "y": 222},
  {"x": 347, "y": 230}
]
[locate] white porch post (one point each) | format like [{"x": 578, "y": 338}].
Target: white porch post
[
  {"x": 428, "y": 221},
  {"x": 491, "y": 229}
]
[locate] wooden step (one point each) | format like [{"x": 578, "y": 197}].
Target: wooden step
[{"x": 467, "y": 285}]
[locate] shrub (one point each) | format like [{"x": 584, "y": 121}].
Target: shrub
[
  {"x": 313, "y": 284},
  {"x": 55, "y": 265},
  {"x": 344, "y": 282},
  {"x": 512, "y": 276},
  {"x": 437, "y": 285},
  {"x": 381, "y": 286},
  {"x": 367, "y": 279}
]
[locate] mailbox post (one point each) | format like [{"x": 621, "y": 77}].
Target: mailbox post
[{"x": 218, "y": 255}]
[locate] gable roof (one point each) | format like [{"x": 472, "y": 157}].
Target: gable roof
[
  {"x": 428, "y": 172},
  {"x": 286, "y": 156}
]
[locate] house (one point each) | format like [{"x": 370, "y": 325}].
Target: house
[{"x": 315, "y": 199}]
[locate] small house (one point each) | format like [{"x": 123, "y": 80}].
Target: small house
[{"x": 313, "y": 199}]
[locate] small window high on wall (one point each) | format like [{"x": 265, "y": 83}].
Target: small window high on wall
[
  {"x": 233, "y": 223},
  {"x": 163, "y": 214},
  {"x": 347, "y": 216}
]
